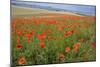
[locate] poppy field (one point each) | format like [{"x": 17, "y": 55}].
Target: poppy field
[{"x": 52, "y": 38}]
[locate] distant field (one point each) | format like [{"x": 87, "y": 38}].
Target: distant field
[
  {"x": 36, "y": 11},
  {"x": 41, "y": 36}
]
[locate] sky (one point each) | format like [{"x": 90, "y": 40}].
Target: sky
[
  {"x": 89, "y": 9},
  {"x": 87, "y": 2}
]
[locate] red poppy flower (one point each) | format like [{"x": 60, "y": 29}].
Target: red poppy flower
[
  {"x": 61, "y": 57},
  {"x": 28, "y": 35},
  {"x": 75, "y": 47},
  {"x": 38, "y": 21},
  {"x": 68, "y": 33},
  {"x": 29, "y": 41},
  {"x": 20, "y": 32},
  {"x": 18, "y": 40},
  {"x": 19, "y": 46},
  {"x": 94, "y": 44},
  {"x": 67, "y": 49},
  {"x": 21, "y": 60},
  {"x": 42, "y": 44},
  {"x": 41, "y": 36},
  {"x": 32, "y": 32},
  {"x": 52, "y": 22},
  {"x": 78, "y": 44}
]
